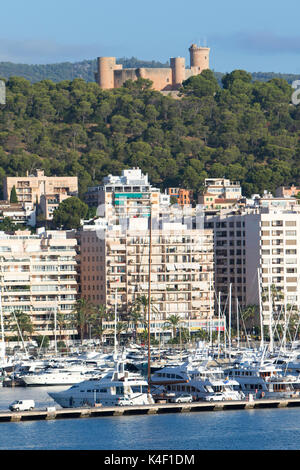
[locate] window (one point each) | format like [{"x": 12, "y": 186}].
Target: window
[{"x": 290, "y": 223}]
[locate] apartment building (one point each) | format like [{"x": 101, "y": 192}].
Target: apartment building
[
  {"x": 183, "y": 196},
  {"x": 212, "y": 202},
  {"x": 18, "y": 213},
  {"x": 114, "y": 269},
  {"x": 50, "y": 202},
  {"x": 287, "y": 191},
  {"x": 31, "y": 188},
  {"x": 128, "y": 195},
  {"x": 257, "y": 254},
  {"x": 280, "y": 263},
  {"x": 231, "y": 267},
  {"x": 223, "y": 188},
  {"x": 38, "y": 277}
]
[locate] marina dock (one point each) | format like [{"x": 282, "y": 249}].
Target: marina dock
[{"x": 158, "y": 408}]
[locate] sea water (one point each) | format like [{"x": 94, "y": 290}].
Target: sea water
[{"x": 262, "y": 429}]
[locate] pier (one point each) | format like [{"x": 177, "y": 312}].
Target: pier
[{"x": 155, "y": 409}]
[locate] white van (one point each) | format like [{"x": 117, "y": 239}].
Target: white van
[{"x": 22, "y": 405}]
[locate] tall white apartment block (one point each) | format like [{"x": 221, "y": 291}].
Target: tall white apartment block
[
  {"x": 128, "y": 195},
  {"x": 257, "y": 253},
  {"x": 280, "y": 261},
  {"x": 38, "y": 277}
]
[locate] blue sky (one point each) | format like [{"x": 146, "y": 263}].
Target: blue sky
[{"x": 258, "y": 35}]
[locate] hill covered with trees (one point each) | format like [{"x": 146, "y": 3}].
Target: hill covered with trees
[
  {"x": 87, "y": 68},
  {"x": 66, "y": 70},
  {"x": 245, "y": 130}
]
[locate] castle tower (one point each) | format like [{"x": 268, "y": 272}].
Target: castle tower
[
  {"x": 105, "y": 72},
  {"x": 178, "y": 71},
  {"x": 199, "y": 58}
]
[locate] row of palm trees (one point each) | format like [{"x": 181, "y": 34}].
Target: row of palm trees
[
  {"x": 88, "y": 317},
  {"x": 88, "y": 320}
]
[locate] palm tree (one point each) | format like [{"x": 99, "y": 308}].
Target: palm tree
[
  {"x": 141, "y": 305},
  {"x": 62, "y": 321},
  {"x": 121, "y": 326},
  {"x": 201, "y": 334},
  {"x": 98, "y": 315},
  {"x": 173, "y": 321},
  {"x": 22, "y": 323},
  {"x": 248, "y": 315},
  {"x": 81, "y": 315},
  {"x": 136, "y": 317}
]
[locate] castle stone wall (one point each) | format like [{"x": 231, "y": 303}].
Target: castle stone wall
[{"x": 111, "y": 75}]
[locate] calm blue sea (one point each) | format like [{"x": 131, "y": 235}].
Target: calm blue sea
[{"x": 269, "y": 429}]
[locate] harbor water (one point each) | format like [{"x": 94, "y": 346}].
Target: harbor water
[{"x": 264, "y": 429}]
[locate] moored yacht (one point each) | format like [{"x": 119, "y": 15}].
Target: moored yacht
[
  {"x": 264, "y": 380},
  {"x": 199, "y": 381},
  {"x": 59, "y": 376},
  {"x": 113, "y": 388}
]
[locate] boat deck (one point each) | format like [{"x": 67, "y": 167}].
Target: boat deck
[{"x": 157, "y": 408}]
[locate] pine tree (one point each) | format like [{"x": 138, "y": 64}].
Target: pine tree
[{"x": 13, "y": 195}]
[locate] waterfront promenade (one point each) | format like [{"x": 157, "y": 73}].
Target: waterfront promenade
[{"x": 158, "y": 408}]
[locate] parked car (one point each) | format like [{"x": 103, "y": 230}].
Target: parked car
[
  {"x": 218, "y": 396},
  {"x": 124, "y": 401},
  {"x": 185, "y": 398},
  {"x": 22, "y": 405}
]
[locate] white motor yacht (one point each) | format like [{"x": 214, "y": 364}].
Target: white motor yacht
[
  {"x": 264, "y": 380},
  {"x": 116, "y": 387},
  {"x": 59, "y": 376},
  {"x": 199, "y": 381},
  {"x": 61, "y": 373}
]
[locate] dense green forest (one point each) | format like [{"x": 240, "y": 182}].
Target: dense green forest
[{"x": 245, "y": 130}]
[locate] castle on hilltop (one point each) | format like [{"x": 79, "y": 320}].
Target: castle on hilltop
[{"x": 112, "y": 75}]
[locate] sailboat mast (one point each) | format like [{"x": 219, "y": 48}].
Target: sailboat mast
[
  {"x": 55, "y": 327},
  {"x": 149, "y": 297},
  {"x": 1, "y": 317},
  {"x": 270, "y": 315},
  {"x": 2, "y": 346},
  {"x": 219, "y": 324},
  {"x": 115, "y": 326},
  {"x": 229, "y": 326},
  {"x": 237, "y": 323},
  {"x": 260, "y": 311}
]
